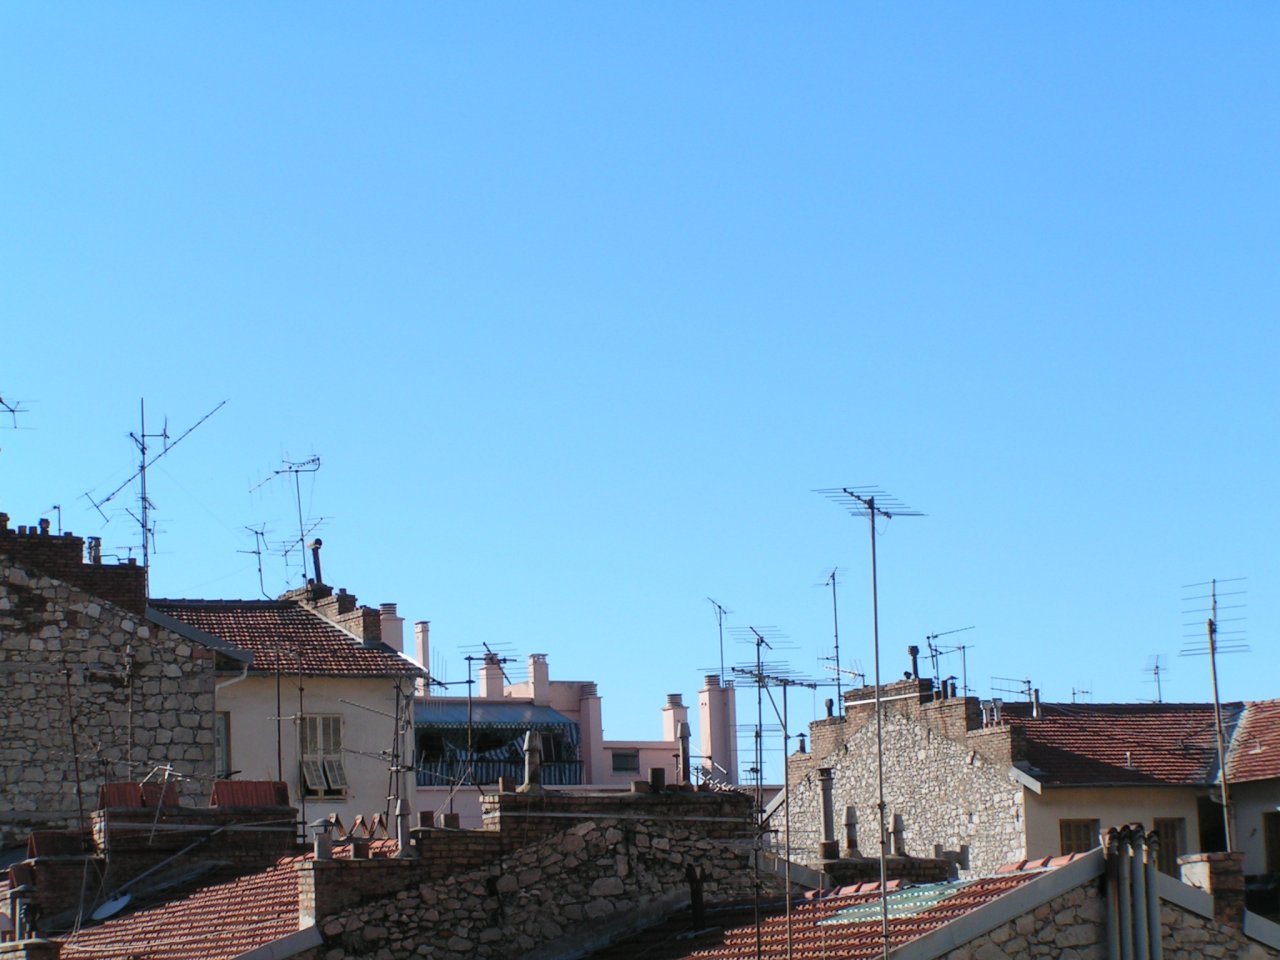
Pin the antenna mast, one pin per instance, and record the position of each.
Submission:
(864, 505)
(720, 615)
(835, 630)
(140, 438)
(296, 468)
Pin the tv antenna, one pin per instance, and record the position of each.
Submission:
(1155, 667)
(862, 502)
(1019, 687)
(145, 505)
(12, 409)
(835, 631)
(721, 613)
(936, 651)
(1080, 692)
(1212, 647)
(259, 541)
(296, 468)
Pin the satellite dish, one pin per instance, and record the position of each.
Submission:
(109, 908)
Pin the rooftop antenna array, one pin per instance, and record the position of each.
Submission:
(1020, 687)
(1155, 667)
(763, 681)
(835, 631)
(11, 409)
(144, 462)
(721, 613)
(1080, 692)
(872, 503)
(296, 468)
(1211, 647)
(259, 541)
(935, 652)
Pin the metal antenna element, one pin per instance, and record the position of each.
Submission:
(1212, 648)
(936, 651)
(872, 502)
(12, 408)
(144, 503)
(1020, 687)
(297, 468)
(835, 631)
(1155, 666)
(721, 613)
(259, 541)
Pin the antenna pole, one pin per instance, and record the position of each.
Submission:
(142, 471)
(1217, 711)
(835, 628)
(720, 612)
(888, 508)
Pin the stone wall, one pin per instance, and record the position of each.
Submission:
(947, 789)
(1073, 926)
(547, 899)
(86, 679)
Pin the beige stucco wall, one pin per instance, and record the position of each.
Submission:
(252, 705)
(1251, 801)
(1110, 806)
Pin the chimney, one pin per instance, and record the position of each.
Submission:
(683, 733)
(718, 728)
(392, 627)
(1035, 704)
(422, 639)
(914, 653)
(1221, 875)
(673, 714)
(827, 782)
(539, 679)
(491, 679)
(315, 546)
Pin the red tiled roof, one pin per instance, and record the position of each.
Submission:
(1255, 749)
(215, 923)
(848, 927)
(1121, 743)
(285, 636)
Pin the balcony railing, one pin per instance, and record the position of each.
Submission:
(445, 773)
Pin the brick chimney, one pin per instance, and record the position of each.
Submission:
(1221, 875)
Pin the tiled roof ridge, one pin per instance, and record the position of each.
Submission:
(1083, 709)
(227, 602)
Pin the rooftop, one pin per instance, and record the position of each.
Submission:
(1121, 743)
(1255, 749)
(284, 635)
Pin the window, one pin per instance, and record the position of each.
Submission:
(626, 761)
(222, 744)
(1078, 836)
(323, 774)
(1172, 834)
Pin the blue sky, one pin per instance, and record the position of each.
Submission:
(578, 304)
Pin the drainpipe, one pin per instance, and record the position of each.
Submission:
(244, 672)
(1155, 947)
(1141, 925)
(1125, 886)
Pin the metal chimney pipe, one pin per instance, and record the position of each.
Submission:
(315, 546)
(914, 653)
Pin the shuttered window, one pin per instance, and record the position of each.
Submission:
(323, 773)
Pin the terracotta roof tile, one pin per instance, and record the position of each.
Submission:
(845, 926)
(284, 635)
(217, 922)
(1121, 743)
(1255, 749)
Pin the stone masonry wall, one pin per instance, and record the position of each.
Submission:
(65, 664)
(951, 798)
(1074, 927)
(540, 899)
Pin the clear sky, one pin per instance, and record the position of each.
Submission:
(578, 304)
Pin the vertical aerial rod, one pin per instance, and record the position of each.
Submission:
(880, 805)
(888, 508)
(720, 614)
(1217, 711)
(835, 627)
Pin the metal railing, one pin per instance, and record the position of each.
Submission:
(445, 773)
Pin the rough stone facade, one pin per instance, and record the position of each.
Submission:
(92, 692)
(550, 898)
(948, 792)
(1074, 927)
